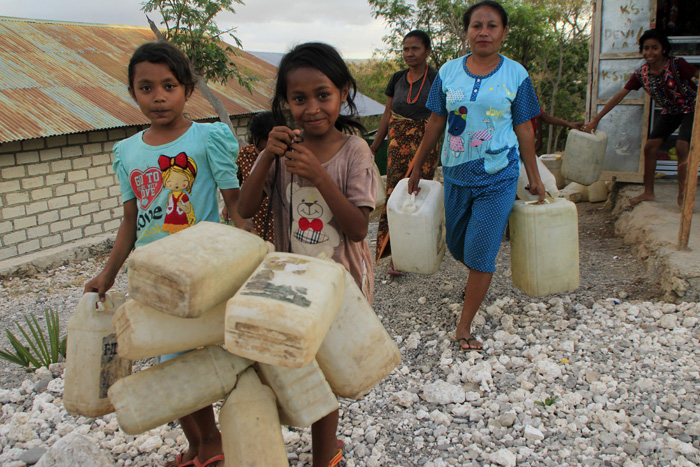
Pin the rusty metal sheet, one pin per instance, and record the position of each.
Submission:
(61, 78)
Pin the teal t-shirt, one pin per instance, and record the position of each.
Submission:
(175, 184)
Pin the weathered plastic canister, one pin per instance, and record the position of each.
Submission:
(175, 388)
(548, 179)
(282, 313)
(357, 351)
(92, 363)
(598, 191)
(250, 426)
(553, 163)
(303, 394)
(381, 196)
(544, 247)
(192, 271)
(574, 192)
(583, 157)
(144, 332)
(417, 227)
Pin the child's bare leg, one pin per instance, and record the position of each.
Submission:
(474, 292)
(209, 435)
(324, 444)
(682, 149)
(650, 150)
(189, 427)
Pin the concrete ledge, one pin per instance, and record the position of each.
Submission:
(49, 258)
(652, 228)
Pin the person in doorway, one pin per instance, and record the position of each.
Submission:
(404, 120)
(669, 81)
(484, 102)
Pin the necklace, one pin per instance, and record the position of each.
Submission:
(410, 88)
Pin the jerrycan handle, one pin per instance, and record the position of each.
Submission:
(91, 301)
(546, 199)
(409, 206)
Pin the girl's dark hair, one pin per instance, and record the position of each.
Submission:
(659, 36)
(490, 3)
(164, 52)
(425, 38)
(261, 125)
(328, 61)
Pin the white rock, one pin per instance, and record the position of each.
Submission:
(548, 369)
(690, 321)
(404, 398)
(533, 433)
(471, 396)
(412, 341)
(442, 392)
(74, 450)
(153, 443)
(598, 387)
(502, 457)
(669, 321)
(55, 385)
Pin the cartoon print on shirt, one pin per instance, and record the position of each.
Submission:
(478, 138)
(456, 124)
(311, 232)
(179, 174)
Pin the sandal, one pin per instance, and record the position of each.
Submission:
(180, 463)
(209, 461)
(470, 346)
(335, 461)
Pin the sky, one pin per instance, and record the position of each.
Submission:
(262, 25)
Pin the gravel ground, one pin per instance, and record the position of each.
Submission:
(606, 375)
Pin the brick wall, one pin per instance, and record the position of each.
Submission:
(60, 189)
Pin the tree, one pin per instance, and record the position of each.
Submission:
(189, 24)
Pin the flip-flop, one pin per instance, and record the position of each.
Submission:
(180, 463)
(394, 272)
(335, 461)
(209, 461)
(469, 347)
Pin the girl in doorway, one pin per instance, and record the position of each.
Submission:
(161, 81)
(669, 81)
(320, 181)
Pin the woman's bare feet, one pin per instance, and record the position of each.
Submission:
(643, 197)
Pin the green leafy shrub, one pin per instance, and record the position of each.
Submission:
(44, 348)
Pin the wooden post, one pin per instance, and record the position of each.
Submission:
(691, 182)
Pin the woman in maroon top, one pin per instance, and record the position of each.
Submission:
(669, 81)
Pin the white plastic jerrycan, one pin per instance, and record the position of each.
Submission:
(583, 157)
(144, 332)
(357, 352)
(250, 425)
(544, 246)
(303, 394)
(417, 227)
(381, 196)
(190, 272)
(175, 388)
(548, 179)
(281, 314)
(92, 363)
(553, 163)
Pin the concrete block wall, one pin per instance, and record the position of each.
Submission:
(61, 189)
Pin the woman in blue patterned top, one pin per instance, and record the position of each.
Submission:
(485, 102)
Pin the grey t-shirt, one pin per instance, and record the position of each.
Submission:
(398, 88)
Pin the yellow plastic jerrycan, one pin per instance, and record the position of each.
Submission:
(544, 246)
(192, 271)
(303, 394)
(417, 227)
(583, 157)
(144, 332)
(281, 314)
(92, 363)
(250, 425)
(357, 351)
(175, 388)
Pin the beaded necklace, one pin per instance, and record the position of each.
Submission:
(410, 88)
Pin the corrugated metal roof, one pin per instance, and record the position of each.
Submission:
(60, 78)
